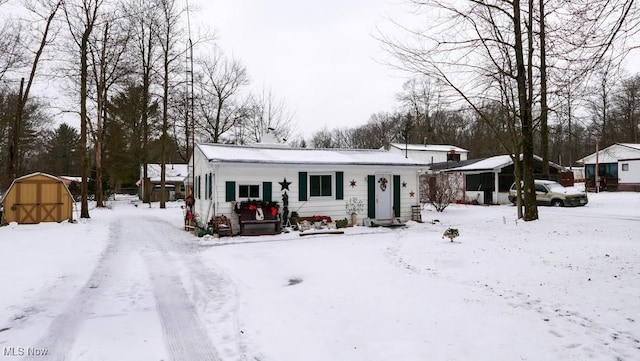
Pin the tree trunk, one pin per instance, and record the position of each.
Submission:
(165, 125)
(15, 136)
(530, 208)
(84, 163)
(101, 94)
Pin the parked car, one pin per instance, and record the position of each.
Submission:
(551, 193)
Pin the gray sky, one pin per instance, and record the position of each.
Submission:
(320, 56)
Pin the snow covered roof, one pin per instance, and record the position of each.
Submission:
(630, 145)
(493, 164)
(612, 153)
(223, 153)
(488, 164)
(173, 172)
(429, 147)
(69, 178)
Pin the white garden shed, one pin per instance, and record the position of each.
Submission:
(316, 181)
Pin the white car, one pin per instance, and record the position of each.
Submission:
(550, 193)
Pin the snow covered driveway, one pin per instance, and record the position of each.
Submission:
(130, 284)
(136, 304)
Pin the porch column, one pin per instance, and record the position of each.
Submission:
(496, 191)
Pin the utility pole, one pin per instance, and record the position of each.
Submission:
(190, 116)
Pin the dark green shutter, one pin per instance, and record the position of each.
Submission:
(210, 185)
(206, 186)
(230, 191)
(371, 196)
(302, 186)
(266, 191)
(339, 185)
(396, 196)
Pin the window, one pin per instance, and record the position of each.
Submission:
(248, 191)
(625, 167)
(541, 188)
(453, 157)
(320, 186)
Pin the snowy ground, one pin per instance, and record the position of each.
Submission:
(130, 284)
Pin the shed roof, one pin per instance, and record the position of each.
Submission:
(223, 153)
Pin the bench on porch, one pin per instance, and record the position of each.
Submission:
(251, 225)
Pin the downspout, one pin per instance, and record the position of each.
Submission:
(418, 195)
(215, 201)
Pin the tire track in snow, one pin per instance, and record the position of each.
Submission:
(59, 337)
(185, 336)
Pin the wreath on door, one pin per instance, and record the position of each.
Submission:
(383, 183)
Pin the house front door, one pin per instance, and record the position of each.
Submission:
(384, 192)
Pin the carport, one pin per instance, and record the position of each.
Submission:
(36, 198)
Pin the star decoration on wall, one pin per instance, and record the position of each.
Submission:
(284, 184)
(404, 184)
(412, 194)
(352, 183)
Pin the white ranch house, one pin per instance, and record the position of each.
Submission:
(317, 181)
(430, 153)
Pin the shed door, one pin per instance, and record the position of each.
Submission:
(38, 202)
(384, 191)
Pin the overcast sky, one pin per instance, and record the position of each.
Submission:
(320, 56)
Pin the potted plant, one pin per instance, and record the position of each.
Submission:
(353, 207)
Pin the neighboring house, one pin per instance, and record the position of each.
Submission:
(488, 180)
(316, 181)
(455, 178)
(73, 183)
(617, 167)
(430, 153)
(175, 177)
(629, 175)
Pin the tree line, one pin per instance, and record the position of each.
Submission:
(422, 116)
(142, 89)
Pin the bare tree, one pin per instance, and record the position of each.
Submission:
(421, 98)
(626, 102)
(45, 12)
(11, 54)
(108, 67)
(322, 139)
(483, 51)
(221, 102)
(170, 34)
(82, 18)
(268, 114)
(144, 17)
